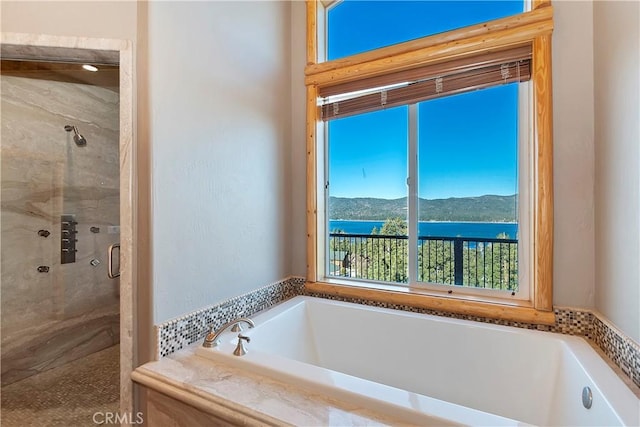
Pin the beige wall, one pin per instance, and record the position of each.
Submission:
(573, 167)
(617, 159)
(220, 112)
(109, 19)
(298, 138)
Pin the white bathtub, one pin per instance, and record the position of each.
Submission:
(430, 370)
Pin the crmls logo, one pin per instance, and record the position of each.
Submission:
(116, 418)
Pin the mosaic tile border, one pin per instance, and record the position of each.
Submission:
(568, 321)
(178, 333)
(622, 351)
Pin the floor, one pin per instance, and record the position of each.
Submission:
(66, 396)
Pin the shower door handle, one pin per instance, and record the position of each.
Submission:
(110, 272)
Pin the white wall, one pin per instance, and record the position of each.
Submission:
(220, 111)
(617, 149)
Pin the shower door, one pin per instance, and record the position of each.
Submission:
(60, 213)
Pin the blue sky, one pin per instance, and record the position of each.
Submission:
(464, 150)
(358, 26)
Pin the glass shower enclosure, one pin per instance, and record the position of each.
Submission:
(60, 213)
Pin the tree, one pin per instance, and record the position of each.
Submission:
(394, 227)
(435, 261)
(386, 257)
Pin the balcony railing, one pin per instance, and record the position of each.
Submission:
(461, 261)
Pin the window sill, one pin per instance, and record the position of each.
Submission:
(514, 311)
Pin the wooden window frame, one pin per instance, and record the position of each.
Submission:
(533, 27)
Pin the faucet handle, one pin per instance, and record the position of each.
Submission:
(210, 340)
(241, 350)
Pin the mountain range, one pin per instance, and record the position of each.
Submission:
(487, 208)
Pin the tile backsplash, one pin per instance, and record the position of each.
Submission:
(623, 351)
(178, 333)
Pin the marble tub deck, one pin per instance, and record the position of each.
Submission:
(245, 398)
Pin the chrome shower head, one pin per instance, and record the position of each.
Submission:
(77, 138)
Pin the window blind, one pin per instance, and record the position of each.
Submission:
(426, 82)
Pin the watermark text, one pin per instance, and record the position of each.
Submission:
(116, 418)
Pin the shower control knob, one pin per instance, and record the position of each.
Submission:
(43, 233)
(68, 238)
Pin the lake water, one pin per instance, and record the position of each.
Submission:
(441, 229)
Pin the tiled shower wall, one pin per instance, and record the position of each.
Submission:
(50, 318)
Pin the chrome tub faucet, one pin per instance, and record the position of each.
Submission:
(211, 340)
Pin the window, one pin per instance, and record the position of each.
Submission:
(371, 25)
(471, 230)
(435, 129)
(451, 217)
